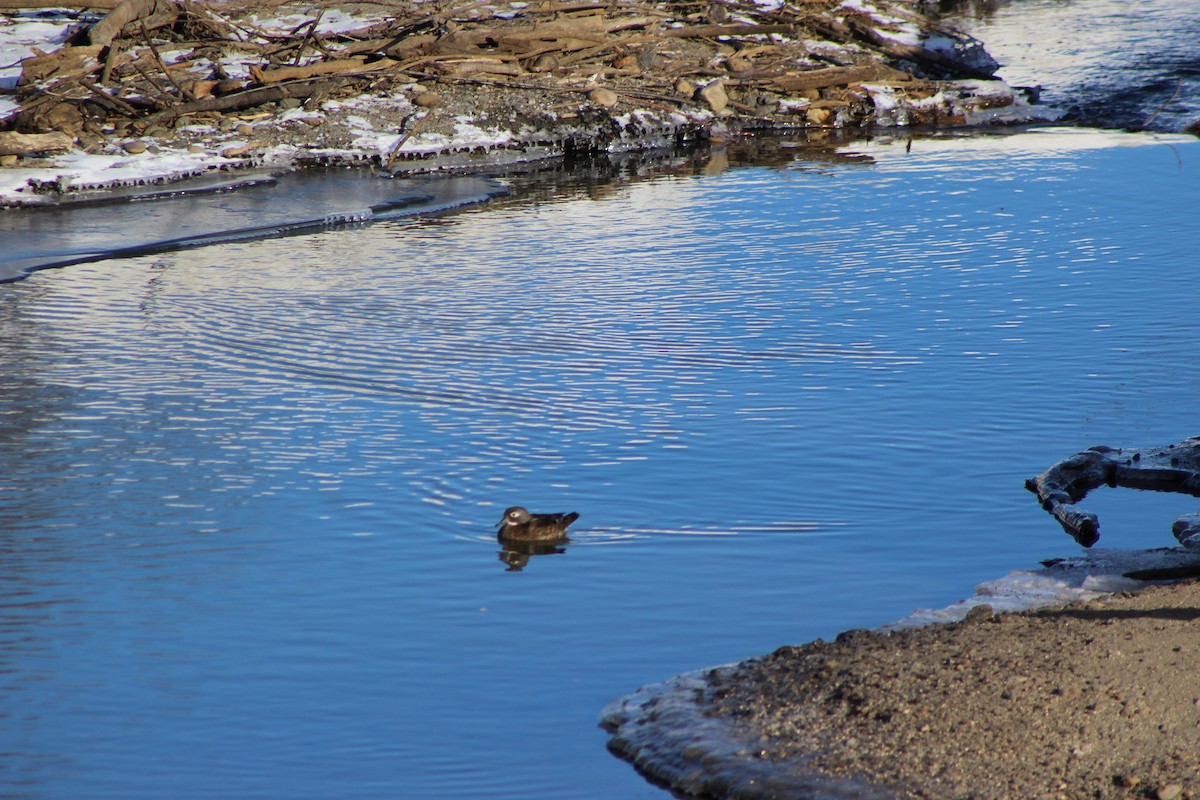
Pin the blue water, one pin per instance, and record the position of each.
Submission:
(250, 489)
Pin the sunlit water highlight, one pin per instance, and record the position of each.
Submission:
(250, 489)
(1108, 63)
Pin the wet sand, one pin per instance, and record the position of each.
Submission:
(1091, 700)
(1098, 699)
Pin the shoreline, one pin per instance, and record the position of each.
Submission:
(466, 89)
(1093, 698)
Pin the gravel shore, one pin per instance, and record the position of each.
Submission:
(1092, 700)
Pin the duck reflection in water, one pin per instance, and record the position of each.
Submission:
(522, 535)
(516, 554)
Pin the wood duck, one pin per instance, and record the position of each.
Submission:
(519, 525)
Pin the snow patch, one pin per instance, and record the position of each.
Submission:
(1092, 575)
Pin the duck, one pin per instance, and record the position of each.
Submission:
(518, 524)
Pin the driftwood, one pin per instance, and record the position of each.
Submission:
(247, 99)
(13, 5)
(60, 65)
(114, 75)
(1173, 468)
(319, 68)
(838, 76)
(109, 28)
(20, 144)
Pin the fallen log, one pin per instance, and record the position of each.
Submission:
(66, 62)
(319, 68)
(837, 76)
(109, 28)
(23, 144)
(246, 99)
(712, 31)
(1173, 468)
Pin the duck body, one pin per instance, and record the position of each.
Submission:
(517, 524)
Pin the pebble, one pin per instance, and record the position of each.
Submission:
(244, 128)
(738, 64)
(817, 116)
(1171, 791)
(134, 147)
(605, 98)
(428, 100)
(629, 61)
(648, 60)
(980, 613)
(195, 148)
(685, 87)
(714, 95)
(546, 62)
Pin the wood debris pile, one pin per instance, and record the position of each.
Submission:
(150, 66)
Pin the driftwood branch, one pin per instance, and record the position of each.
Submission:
(246, 99)
(838, 76)
(709, 31)
(109, 28)
(19, 144)
(266, 76)
(1173, 468)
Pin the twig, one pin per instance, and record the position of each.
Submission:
(112, 103)
(183, 93)
(153, 85)
(312, 28)
(411, 132)
(1170, 100)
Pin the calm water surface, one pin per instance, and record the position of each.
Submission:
(250, 489)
